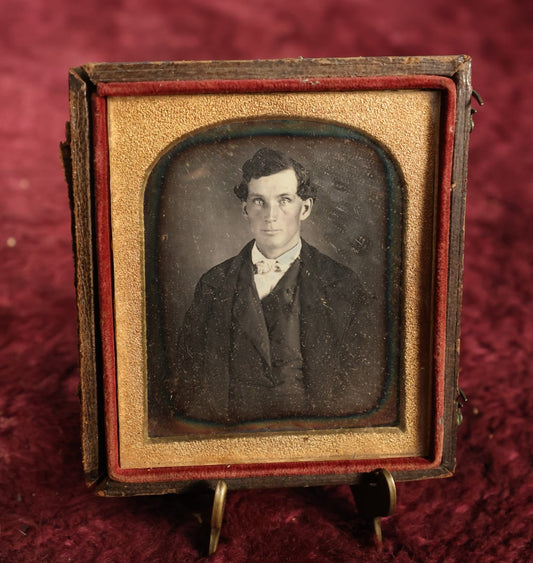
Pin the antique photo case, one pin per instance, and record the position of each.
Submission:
(268, 266)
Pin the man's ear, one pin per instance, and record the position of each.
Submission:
(306, 209)
(244, 210)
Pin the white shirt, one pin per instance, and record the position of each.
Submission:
(274, 268)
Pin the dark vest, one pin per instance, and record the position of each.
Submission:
(266, 363)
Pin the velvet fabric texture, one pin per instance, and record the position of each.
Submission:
(484, 513)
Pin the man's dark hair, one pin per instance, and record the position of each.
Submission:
(266, 162)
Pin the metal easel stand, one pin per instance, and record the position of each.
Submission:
(217, 515)
(375, 497)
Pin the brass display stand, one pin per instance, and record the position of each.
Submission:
(217, 515)
(374, 495)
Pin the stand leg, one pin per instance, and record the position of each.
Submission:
(217, 515)
(375, 497)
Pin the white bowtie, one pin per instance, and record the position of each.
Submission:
(266, 266)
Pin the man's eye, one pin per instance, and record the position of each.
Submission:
(258, 202)
(285, 200)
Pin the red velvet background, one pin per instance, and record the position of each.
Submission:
(485, 512)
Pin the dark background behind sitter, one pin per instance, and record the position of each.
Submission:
(46, 513)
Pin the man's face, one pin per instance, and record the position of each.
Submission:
(275, 211)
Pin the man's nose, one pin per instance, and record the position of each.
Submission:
(271, 212)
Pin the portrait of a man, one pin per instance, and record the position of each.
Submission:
(279, 330)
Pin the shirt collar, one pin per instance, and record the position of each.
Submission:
(285, 259)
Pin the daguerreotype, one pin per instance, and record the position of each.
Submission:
(268, 260)
(284, 325)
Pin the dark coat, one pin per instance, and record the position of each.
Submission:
(334, 346)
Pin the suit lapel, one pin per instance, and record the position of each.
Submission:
(248, 313)
(325, 312)
(237, 302)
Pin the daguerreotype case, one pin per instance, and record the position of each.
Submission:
(268, 269)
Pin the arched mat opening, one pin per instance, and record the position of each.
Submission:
(193, 221)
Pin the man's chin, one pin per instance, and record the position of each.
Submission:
(271, 250)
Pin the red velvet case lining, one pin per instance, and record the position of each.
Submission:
(105, 271)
